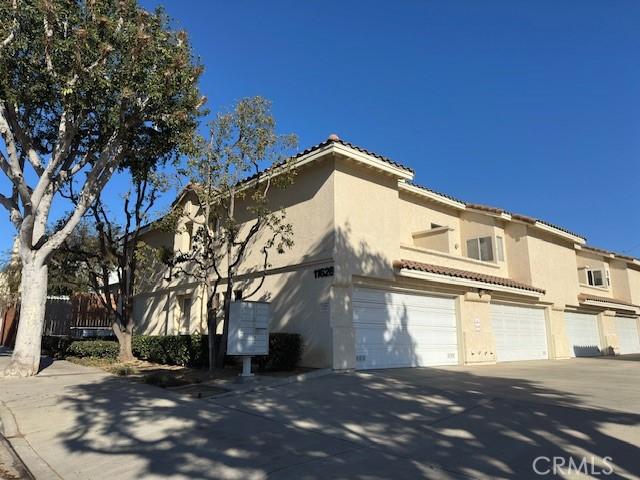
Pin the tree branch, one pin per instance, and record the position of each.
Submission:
(12, 33)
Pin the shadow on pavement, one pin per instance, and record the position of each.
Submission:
(382, 425)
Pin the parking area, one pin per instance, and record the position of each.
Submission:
(497, 421)
(479, 422)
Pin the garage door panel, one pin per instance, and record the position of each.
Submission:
(583, 334)
(519, 332)
(628, 335)
(403, 330)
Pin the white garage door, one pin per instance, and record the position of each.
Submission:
(583, 334)
(403, 330)
(627, 329)
(520, 333)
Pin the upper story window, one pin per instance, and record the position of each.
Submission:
(500, 248)
(596, 278)
(480, 249)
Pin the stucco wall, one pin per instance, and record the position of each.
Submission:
(634, 285)
(417, 214)
(367, 222)
(553, 268)
(620, 281)
(517, 246)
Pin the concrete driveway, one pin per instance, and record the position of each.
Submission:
(480, 422)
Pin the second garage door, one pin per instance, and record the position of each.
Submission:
(583, 334)
(520, 333)
(403, 330)
(627, 330)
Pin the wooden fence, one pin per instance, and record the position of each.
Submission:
(63, 316)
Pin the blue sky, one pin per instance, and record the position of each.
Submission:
(529, 106)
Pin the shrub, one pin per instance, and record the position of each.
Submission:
(56, 347)
(285, 351)
(94, 348)
(184, 350)
(123, 370)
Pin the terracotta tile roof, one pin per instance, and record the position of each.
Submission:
(594, 298)
(454, 272)
(335, 139)
(329, 141)
(498, 210)
(523, 218)
(486, 208)
(562, 229)
(422, 187)
(607, 252)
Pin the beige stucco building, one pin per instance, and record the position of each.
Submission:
(385, 273)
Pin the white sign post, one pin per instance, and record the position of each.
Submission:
(248, 332)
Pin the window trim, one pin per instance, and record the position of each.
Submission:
(479, 248)
(499, 248)
(591, 278)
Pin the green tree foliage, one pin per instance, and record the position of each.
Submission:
(230, 183)
(86, 88)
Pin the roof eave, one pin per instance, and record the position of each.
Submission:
(430, 195)
(464, 282)
(368, 160)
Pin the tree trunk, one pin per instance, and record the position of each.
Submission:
(126, 352)
(213, 304)
(25, 360)
(124, 336)
(222, 349)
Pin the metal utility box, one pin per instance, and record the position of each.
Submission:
(249, 328)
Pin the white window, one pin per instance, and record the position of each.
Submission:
(608, 278)
(480, 249)
(500, 249)
(595, 278)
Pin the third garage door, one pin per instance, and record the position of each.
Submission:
(583, 334)
(628, 336)
(403, 330)
(520, 332)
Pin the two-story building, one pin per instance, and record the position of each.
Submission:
(385, 273)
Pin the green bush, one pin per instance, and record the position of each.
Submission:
(285, 351)
(56, 347)
(94, 348)
(184, 350)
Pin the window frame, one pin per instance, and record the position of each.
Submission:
(478, 247)
(499, 248)
(591, 277)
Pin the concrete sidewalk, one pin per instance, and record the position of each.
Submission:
(73, 422)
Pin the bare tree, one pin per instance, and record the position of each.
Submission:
(231, 182)
(85, 88)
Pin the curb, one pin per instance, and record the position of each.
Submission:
(302, 377)
(34, 465)
(17, 464)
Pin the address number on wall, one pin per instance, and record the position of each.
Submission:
(323, 272)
